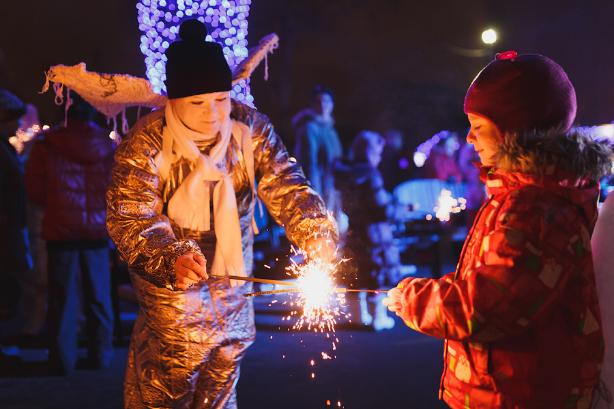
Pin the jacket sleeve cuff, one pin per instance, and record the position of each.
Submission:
(319, 227)
(162, 274)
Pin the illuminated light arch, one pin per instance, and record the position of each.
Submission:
(226, 23)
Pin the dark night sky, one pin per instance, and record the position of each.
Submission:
(391, 63)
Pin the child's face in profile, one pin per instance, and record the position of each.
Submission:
(485, 138)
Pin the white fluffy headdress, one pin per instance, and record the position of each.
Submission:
(111, 94)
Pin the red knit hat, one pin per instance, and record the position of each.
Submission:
(523, 92)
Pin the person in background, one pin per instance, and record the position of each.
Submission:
(26, 327)
(317, 146)
(373, 257)
(15, 258)
(520, 316)
(442, 162)
(396, 166)
(603, 259)
(34, 285)
(67, 175)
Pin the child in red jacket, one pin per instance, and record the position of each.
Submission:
(520, 316)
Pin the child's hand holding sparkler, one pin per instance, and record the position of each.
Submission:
(394, 300)
(321, 248)
(190, 268)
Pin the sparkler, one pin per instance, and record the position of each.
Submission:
(254, 280)
(23, 136)
(314, 298)
(320, 302)
(273, 292)
(296, 290)
(446, 205)
(310, 283)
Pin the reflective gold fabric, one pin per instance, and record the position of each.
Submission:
(187, 345)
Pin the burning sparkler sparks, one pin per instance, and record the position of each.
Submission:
(446, 205)
(319, 301)
(23, 136)
(316, 301)
(318, 297)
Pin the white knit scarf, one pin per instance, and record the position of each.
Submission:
(189, 206)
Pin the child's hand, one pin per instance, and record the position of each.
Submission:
(394, 300)
(321, 248)
(190, 268)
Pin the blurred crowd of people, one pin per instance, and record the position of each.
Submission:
(55, 246)
(54, 241)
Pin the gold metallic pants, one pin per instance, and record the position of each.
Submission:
(187, 346)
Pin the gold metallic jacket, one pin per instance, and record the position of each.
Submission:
(187, 345)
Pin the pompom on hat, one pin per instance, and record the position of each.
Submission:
(523, 92)
(195, 66)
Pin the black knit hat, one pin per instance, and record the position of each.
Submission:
(195, 66)
(11, 107)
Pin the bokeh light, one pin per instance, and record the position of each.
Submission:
(489, 36)
(226, 23)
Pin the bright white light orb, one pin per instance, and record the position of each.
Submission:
(419, 159)
(605, 131)
(489, 36)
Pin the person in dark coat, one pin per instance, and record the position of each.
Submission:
(373, 256)
(68, 173)
(14, 254)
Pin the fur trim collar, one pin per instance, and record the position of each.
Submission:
(574, 153)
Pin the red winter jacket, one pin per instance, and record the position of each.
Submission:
(520, 315)
(68, 172)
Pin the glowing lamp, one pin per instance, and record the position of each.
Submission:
(489, 36)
